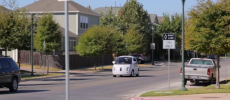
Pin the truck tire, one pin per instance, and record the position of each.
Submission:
(185, 82)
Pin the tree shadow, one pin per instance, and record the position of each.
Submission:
(22, 91)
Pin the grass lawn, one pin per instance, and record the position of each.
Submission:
(41, 76)
(38, 67)
(224, 88)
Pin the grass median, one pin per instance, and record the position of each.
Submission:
(224, 88)
(36, 76)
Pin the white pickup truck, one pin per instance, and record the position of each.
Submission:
(200, 69)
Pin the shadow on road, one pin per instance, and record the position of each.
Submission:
(34, 84)
(22, 91)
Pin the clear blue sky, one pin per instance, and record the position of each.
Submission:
(152, 6)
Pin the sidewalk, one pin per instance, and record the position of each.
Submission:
(214, 96)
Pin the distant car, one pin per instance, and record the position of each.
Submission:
(140, 58)
(125, 66)
(211, 56)
(9, 74)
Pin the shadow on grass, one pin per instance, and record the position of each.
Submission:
(25, 72)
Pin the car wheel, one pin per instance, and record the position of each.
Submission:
(14, 85)
(131, 74)
(139, 62)
(137, 73)
(114, 75)
(185, 82)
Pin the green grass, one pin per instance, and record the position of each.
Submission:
(25, 72)
(42, 76)
(224, 88)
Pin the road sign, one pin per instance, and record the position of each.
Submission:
(169, 41)
(152, 45)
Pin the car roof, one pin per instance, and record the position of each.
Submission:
(125, 56)
(201, 58)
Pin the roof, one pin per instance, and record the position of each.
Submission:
(105, 9)
(55, 6)
(4, 8)
(160, 19)
(153, 18)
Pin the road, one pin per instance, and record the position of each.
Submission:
(102, 86)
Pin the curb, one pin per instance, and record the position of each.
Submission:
(148, 98)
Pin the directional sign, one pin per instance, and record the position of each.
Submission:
(169, 41)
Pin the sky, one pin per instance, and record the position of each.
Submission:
(152, 6)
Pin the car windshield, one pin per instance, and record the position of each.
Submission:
(123, 60)
(201, 62)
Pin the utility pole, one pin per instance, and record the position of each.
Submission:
(31, 54)
(183, 80)
(152, 48)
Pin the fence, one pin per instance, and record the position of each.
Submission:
(58, 61)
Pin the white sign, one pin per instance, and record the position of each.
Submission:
(169, 41)
(152, 46)
(169, 44)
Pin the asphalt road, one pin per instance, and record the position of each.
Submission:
(102, 86)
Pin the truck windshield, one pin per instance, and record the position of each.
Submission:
(201, 62)
(124, 60)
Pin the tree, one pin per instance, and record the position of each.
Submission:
(89, 7)
(172, 24)
(48, 32)
(97, 41)
(208, 29)
(133, 13)
(109, 18)
(134, 40)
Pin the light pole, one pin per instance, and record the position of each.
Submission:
(31, 54)
(152, 48)
(182, 58)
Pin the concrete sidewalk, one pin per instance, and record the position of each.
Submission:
(213, 96)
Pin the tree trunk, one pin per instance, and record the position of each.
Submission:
(94, 63)
(47, 64)
(102, 62)
(6, 52)
(19, 59)
(218, 72)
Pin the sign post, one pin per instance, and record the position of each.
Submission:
(66, 48)
(169, 43)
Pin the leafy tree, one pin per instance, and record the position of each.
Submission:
(172, 24)
(134, 40)
(207, 29)
(133, 13)
(109, 18)
(48, 32)
(97, 41)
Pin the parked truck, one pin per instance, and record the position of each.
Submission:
(200, 69)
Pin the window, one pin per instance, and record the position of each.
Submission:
(72, 45)
(201, 62)
(84, 22)
(124, 60)
(5, 64)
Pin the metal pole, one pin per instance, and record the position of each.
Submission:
(67, 49)
(152, 48)
(182, 58)
(168, 67)
(31, 54)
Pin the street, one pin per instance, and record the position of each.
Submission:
(102, 86)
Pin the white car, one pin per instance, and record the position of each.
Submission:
(125, 66)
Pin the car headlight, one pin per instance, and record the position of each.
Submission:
(127, 68)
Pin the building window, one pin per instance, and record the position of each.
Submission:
(72, 45)
(84, 22)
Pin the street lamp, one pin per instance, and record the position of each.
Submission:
(182, 58)
(153, 48)
(31, 54)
